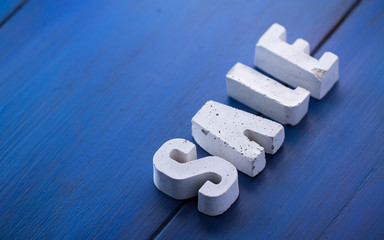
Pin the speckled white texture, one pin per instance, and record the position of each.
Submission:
(293, 65)
(266, 95)
(177, 173)
(227, 132)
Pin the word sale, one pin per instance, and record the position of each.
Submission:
(238, 140)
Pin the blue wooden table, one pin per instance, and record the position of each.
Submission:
(89, 90)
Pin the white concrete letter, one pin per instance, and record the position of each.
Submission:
(237, 136)
(293, 65)
(266, 95)
(177, 173)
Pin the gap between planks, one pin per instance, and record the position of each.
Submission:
(167, 221)
(335, 27)
(13, 13)
(323, 234)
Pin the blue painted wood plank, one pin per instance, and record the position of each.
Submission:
(90, 89)
(7, 7)
(362, 217)
(327, 180)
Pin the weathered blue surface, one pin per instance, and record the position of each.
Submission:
(90, 89)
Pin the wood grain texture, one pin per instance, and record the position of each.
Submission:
(89, 90)
(327, 180)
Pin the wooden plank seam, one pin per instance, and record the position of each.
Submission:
(355, 193)
(13, 13)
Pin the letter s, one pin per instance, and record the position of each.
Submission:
(177, 173)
